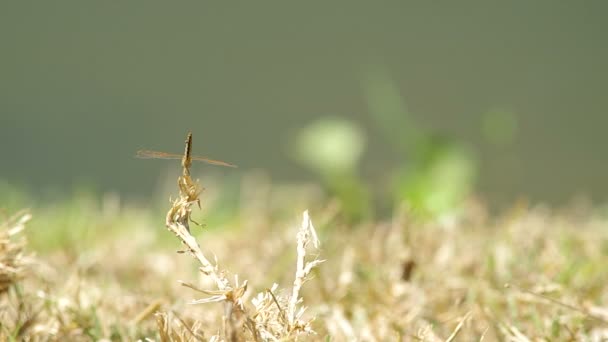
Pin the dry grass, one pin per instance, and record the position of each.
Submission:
(13, 262)
(531, 274)
(272, 317)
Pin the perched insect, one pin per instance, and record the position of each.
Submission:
(186, 158)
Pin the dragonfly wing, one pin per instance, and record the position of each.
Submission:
(147, 154)
(212, 162)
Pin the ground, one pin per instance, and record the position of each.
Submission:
(96, 269)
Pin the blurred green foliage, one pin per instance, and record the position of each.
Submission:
(435, 173)
(332, 147)
(72, 223)
(438, 180)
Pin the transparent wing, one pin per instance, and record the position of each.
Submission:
(211, 161)
(147, 154)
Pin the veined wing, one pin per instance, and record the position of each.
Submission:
(212, 161)
(147, 154)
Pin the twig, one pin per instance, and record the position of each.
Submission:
(306, 234)
(458, 327)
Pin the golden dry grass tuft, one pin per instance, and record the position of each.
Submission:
(272, 316)
(13, 261)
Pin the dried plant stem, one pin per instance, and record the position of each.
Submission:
(458, 327)
(13, 262)
(274, 317)
(177, 221)
(305, 235)
(179, 217)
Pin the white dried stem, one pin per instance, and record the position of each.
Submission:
(305, 235)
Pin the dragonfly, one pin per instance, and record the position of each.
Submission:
(186, 158)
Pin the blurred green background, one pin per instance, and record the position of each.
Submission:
(509, 97)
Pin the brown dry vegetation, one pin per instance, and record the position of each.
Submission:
(529, 275)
